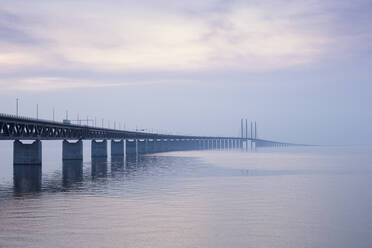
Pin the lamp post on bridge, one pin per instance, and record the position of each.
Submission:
(17, 100)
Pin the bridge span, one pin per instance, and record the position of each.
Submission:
(122, 142)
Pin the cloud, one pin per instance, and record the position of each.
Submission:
(137, 38)
(40, 84)
(122, 36)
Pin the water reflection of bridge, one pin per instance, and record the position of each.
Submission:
(28, 178)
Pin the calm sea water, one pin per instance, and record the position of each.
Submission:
(285, 197)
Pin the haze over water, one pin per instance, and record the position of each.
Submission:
(284, 197)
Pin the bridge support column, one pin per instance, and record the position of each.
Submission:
(141, 146)
(196, 144)
(188, 145)
(99, 149)
(72, 150)
(29, 154)
(117, 148)
(171, 145)
(150, 146)
(156, 146)
(165, 145)
(178, 145)
(131, 147)
(183, 145)
(210, 144)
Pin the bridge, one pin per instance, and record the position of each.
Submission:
(122, 142)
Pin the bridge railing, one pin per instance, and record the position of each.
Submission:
(27, 118)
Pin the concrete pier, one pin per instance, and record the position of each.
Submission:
(155, 146)
(219, 144)
(210, 144)
(240, 142)
(214, 144)
(177, 145)
(141, 145)
(72, 150)
(27, 154)
(167, 145)
(171, 145)
(117, 148)
(186, 144)
(195, 145)
(99, 149)
(131, 147)
(150, 148)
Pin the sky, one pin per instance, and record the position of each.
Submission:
(300, 69)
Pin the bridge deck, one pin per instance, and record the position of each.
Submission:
(15, 127)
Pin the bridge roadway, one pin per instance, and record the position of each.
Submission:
(122, 142)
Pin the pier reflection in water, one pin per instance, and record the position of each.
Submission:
(72, 172)
(99, 167)
(117, 164)
(27, 178)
